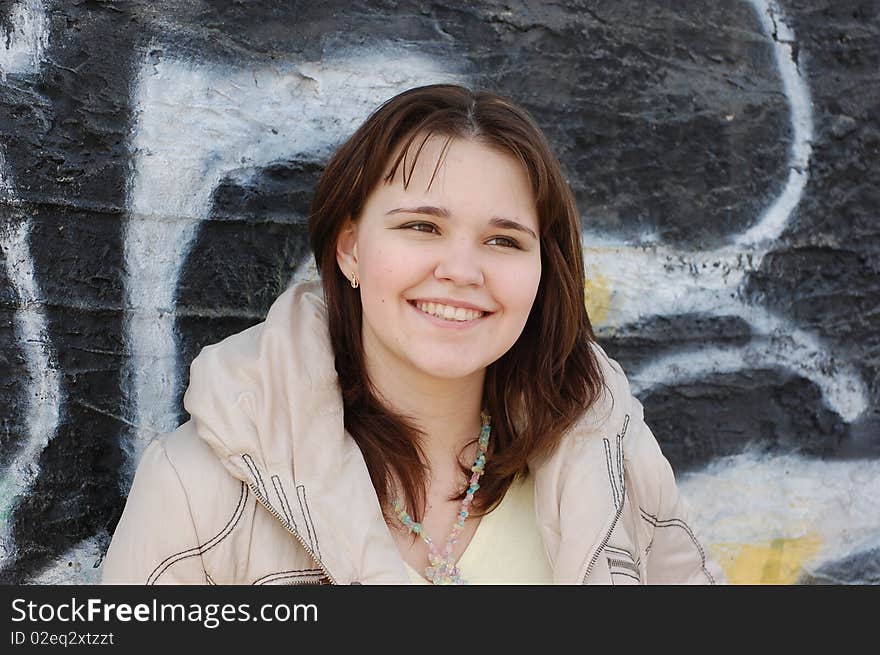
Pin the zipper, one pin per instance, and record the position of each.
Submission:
(613, 522)
(620, 437)
(622, 563)
(605, 540)
(283, 522)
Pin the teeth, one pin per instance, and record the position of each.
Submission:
(449, 313)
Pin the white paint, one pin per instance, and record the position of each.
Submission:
(21, 52)
(658, 280)
(769, 227)
(771, 224)
(5, 185)
(43, 400)
(798, 352)
(22, 47)
(195, 124)
(79, 565)
(753, 499)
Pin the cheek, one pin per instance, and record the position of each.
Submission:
(377, 268)
(517, 287)
(385, 277)
(391, 270)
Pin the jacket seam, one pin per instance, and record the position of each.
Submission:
(289, 510)
(307, 515)
(629, 575)
(256, 473)
(619, 453)
(614, 492)
(625, 426)
(169, 561)
(679, 523)
(284, 511)
(282, 499)
(619, 551)
(620, 472)
(199, 550)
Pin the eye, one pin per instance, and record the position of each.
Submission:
(507, 242)
(420, 227)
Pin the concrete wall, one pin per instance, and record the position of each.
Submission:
(157, 160)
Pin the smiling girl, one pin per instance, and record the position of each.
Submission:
(436, 409)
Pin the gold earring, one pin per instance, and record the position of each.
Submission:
(354, 281)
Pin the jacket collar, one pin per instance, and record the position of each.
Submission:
(267, 401)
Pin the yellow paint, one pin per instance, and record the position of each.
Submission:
(779, 561)
(597, 297)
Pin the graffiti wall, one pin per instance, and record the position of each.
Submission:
(157, 160)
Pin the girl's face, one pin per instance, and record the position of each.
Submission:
(448, 274)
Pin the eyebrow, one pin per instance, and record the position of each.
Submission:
(497, 221)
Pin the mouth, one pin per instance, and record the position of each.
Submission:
(447, 313)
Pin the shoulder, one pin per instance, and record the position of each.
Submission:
(617, 412)
(200, 472)
(650, 476)
(661, 512)
(182, 484)
(175, 499)
(616, 395)
(613, 423)
(615, 407)
(185, 448)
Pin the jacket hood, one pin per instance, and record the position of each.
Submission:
(267, 401)
(270, 387)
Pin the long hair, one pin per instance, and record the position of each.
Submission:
(546, 380)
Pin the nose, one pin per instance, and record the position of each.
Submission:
(459, 264)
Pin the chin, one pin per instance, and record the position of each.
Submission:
(450, 370)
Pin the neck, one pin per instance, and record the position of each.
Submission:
(446, 411)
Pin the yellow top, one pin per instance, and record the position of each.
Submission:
(506, 547)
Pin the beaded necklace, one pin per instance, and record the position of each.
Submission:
(441, 568)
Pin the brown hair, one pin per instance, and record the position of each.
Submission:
(548, 378)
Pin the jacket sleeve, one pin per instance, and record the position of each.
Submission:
(155, 541)
(675, 554)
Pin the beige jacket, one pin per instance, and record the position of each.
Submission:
(264, 486)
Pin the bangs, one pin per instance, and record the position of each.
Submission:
(405, 155)
(406, 160)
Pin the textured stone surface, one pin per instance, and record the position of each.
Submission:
(132, 129)
(861, 568)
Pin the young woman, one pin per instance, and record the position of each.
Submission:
(436, 409)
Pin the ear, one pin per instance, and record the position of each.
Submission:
(346, 248)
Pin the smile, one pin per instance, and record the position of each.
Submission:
(447, 312)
